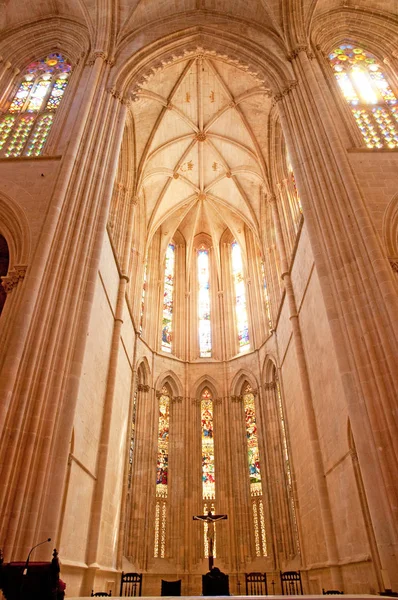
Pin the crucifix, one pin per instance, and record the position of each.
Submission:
(210, 520)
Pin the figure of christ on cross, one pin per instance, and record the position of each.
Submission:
(210, 519)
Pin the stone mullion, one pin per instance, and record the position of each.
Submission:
(194, 538)
(240, 484)
(279, 476)
(327, 226)
(215, 316)
(82, 201)
(177, 453)
(179, 302)
(319, 471)
(193, 307)
(231, 335)
(226, 550)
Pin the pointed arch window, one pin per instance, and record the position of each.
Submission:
(240, 297)
(208, 470)
(162, 473)
(167, 322)
(204, 302)
(143, 293)
(25, 126)
(256, 487)
(364, 85)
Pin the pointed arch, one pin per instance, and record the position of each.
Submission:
(205, 382)
(170, 379)
(242, 376)
(143, 370)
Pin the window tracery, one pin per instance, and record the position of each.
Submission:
(256, 488)
(25, 126)
(364, 85)
(240, 296)
(162, 471)
(204, 302)
(208, 471)
(167, 322)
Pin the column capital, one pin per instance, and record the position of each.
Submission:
(94, 55)
(296, 51)
(285, 91)
(141, 387)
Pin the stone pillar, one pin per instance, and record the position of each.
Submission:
(44, 357)
(319, 471)
(359, 292)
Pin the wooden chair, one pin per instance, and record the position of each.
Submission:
(291, 583)
(331, 592)
(256, 584)
(131, 584)
(170, 588)
(101, 593)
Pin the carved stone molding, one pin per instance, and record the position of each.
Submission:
(142, 387)
(176, 399)
(237, 398)
(271, 385)
(286, 90)
(93, 57)
(201, 136)
(300, 48)
(394, 264)
(117, 94)
(11, 280)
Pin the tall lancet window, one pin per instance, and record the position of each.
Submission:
(143, 293)
(364, 85)
(26, 124)
(208, 476)
(162, 472)
(266, 295)
(240, 295)
(167, 323)
(256, 487)
(204, 303)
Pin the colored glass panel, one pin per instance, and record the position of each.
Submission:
(20, 97)
(208, 476)
(168, 299)
(39, 91)
(37, 97)
(144, 288)
(266, 296)
(6, 124)
(39, 135)
(204, 303)
(240, 295)
(19, 135)
(365, 88)
(56, 94)
(163, 445)
(253, 453)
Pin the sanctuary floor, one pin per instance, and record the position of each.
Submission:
(304, 597)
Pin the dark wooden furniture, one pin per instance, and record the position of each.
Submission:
(215, 583)
(331, 592)
(291, 583)
(131, 584)
(256, 584)
(170, 588)
(33, 581)
(97, 594)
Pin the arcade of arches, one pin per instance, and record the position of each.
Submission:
(198, 253)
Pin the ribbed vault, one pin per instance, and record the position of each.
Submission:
(201, 150)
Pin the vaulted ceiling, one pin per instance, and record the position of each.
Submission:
(201, 128)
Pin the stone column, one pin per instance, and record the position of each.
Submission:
(42, 376)
(359, 292)
(7, 80)
(319, 471)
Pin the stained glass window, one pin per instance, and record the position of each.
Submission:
(163, 445)
(204, 303)
(168, 299)
(266, 296)
(25, 126)
(206, 415)
(240, 294)
(144, 288)
(162, 471)
(252, 443)
(132, 438)
(366, 89)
